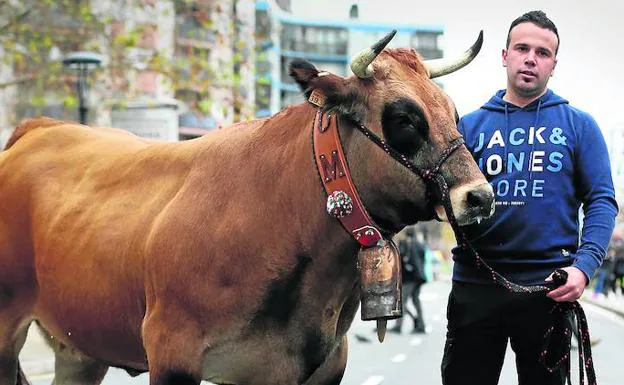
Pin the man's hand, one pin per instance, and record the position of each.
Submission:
(572, 289)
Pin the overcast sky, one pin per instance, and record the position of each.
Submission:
(590, 71)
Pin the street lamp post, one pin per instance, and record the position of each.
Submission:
(82, 63)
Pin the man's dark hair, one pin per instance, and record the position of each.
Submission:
(538, 18)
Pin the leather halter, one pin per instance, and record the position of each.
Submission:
(334, 172)
(336, 178)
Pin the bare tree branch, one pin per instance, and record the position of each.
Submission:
(19, 80)
(14, 50)
(19, 18)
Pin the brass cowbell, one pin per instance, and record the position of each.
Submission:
(380, 284)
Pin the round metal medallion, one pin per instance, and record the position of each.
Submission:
(339, 204)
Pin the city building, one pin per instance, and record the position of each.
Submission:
(328, 44)
(220, 89)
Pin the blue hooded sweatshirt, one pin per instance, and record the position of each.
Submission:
(543, 160)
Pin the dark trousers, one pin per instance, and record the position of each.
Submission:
(411, 290)
(481, 320)
(619, 277)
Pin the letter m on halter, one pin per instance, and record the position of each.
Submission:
(332, 169)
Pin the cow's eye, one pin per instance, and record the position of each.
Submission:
(404, 126)
(407, 121)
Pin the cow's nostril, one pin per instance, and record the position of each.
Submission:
(480, 198)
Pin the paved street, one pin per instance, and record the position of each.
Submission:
(415, 359)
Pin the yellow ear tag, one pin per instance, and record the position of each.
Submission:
(317, 98)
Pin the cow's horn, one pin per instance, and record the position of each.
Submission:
(441, 67)
(361, 63)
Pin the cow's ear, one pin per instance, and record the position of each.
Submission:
(303, 72)
(310, 79)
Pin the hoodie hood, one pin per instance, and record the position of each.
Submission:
(496, 102)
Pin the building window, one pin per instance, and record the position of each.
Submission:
(196, 111)
(193, 21)
(263, 27)
(291, 98)
(426, 43)
(354, 12)
(147, 82)
(328, 41)
(149, 36)
(263, 96)
(284, 71)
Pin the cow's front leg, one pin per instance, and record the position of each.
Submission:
(332, 370)
(174, 349)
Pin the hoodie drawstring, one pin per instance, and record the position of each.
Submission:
(505, 160)
(535, 128)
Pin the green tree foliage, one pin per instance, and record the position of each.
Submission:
(35, 34)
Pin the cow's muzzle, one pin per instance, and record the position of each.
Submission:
(471, 203)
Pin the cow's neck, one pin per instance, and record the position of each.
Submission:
(288, 138)
(319, 250)
(281, 150)
(384, 186)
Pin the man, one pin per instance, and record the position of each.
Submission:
(413, 275)
(618, 263)
(544, 159)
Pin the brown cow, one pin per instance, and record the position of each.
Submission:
(215, 258)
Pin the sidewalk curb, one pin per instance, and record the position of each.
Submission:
(39, 367)
(36, 357)
(604, 306)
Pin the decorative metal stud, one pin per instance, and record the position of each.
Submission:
(339, 204)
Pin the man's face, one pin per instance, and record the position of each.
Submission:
(530, 59)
